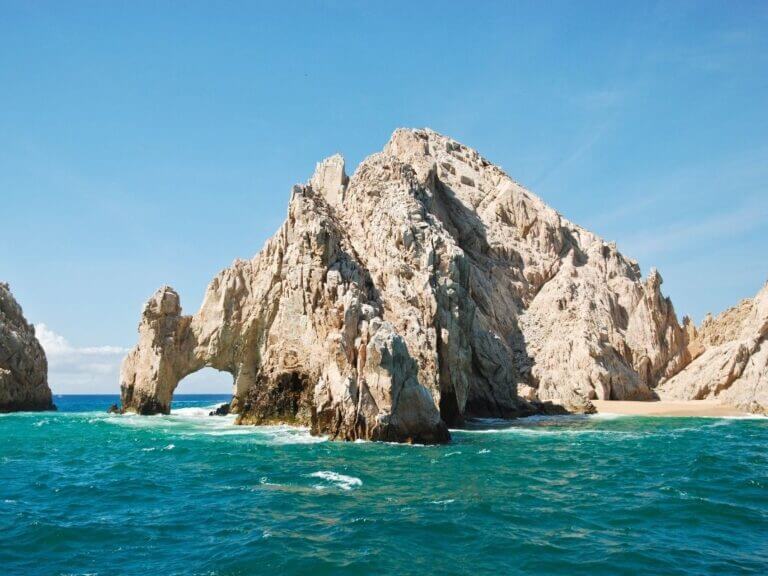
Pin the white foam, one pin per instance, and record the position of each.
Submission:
(264, 481)
(614, 416)
(165, 448)
(544, 431)
(196, 412)
(282, 434)
(190, 422)
(606, 416)
(443, 502)
(340, 480)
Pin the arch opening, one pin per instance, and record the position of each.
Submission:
(205, 387)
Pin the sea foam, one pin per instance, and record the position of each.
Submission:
(340, 480)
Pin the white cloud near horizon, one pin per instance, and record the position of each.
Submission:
(96, 369)
(80, 370)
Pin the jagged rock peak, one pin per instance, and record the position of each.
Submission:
(427, 288)
(23, 366)
(330, 180)
(729, 358)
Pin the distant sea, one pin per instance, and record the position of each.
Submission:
(83, 492)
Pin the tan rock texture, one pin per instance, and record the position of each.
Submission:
(426, 288)
(730, 359)
(23, 366)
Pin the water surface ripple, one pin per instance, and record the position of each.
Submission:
(83, 492)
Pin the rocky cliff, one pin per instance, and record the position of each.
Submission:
(426, 288)
(23, 366)
(729, 358)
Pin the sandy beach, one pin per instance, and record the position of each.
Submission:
(700, 408)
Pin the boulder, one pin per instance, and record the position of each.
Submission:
(222, 410)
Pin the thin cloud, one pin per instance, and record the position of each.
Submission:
(601, 99)
(96, 369)
(583, 149)
(749, 216)
(83, 370)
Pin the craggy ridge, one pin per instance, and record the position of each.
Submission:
(426, 288)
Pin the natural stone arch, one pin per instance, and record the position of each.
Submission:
(167, 353)
(301, 328)
(427, 288)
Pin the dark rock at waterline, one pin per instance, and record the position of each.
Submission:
(222, 410)
(114, 409)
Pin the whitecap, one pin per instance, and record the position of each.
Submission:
(484, 451)
(546, 431)
(195, 412)
(264, 481)
(282, 434)
(340, 480)
(443, 502)
(607, 416)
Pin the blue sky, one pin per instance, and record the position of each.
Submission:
(151, 143)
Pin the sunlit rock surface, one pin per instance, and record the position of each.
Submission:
(23, 366)
(426, 288)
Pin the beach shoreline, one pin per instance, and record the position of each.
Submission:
(677, 408)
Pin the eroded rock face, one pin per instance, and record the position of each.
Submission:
(427, 288)
(23, 366)
(730, 359)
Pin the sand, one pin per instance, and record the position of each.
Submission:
(700, 408)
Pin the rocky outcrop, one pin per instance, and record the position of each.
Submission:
(23, 366)
(426, 288)
(222, 410)
(729, 358)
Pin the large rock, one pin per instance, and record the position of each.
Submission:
(427, 288)
(23, 366)
(730, 359)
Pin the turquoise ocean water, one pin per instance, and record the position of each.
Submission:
(82, 492)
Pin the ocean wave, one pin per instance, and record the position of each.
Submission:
(164, 448)
(544, 431)
(340, 480)
(191, 422)
(281, 434)
(606, 416)
(199, 412)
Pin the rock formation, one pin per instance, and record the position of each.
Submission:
(426, 288)
(730, 358)
(23, 366)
